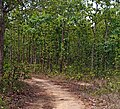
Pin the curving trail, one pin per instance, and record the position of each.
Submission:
(62, 98)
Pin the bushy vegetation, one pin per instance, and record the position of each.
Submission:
(2, 103)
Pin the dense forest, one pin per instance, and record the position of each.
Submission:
(63, 36)
(73, 37)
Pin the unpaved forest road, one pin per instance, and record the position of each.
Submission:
(62, 98)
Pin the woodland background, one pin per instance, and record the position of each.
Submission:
(77, 38)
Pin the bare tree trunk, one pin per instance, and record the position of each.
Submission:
(2, 31)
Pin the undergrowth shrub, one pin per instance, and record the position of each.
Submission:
(12, 75)
(2, 104)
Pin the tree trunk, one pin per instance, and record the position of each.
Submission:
(93, 51)
(2, 31)
(29, 51)
(93, 48)
(18, 54)
(62, 44)
(23, 49)
(105, 40)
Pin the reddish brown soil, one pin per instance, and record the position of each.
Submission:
(32, 94)
(86, 91)
(62, 98)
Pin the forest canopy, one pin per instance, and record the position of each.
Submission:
(70, 36)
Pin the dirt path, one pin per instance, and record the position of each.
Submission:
(62, 98)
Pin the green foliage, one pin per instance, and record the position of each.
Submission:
(114, 84)
(111, 84)
(12, 75)
(70, 37)
(2, 104)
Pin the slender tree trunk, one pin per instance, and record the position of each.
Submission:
(117, 59)
(62, 44)
(57, 50)
(93, 48)
(29, 51)
(94, 29)
(23, 49)
(11, 51)
(105, 40)
(42, 60)
(18, 56)
(2, 31)
(51, 68)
